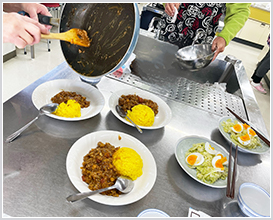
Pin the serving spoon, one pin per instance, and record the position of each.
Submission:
(46, 109)
(123, 114)
(123, 184)
(74, 36)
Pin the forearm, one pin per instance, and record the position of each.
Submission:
(12, 7)
(236, 16)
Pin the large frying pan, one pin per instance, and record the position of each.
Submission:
(113, 29)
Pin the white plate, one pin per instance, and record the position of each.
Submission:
(258, 150)
(142, 185)
(184, 144)
(42, 95)
(152, 213)
(163, 117)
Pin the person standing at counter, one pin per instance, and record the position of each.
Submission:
(22, 30)
(261, 71)
(203, 18)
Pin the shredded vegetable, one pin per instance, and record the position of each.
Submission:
(206, 172)
(254, 140)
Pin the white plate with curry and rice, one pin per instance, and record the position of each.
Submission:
(162, 118)
(142, 185)
(43, 93)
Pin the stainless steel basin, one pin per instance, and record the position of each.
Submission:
(195, 57)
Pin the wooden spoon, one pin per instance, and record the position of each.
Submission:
(74, 36)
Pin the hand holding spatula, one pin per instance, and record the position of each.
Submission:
(73, 36)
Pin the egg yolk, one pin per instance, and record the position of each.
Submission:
(212, 148)
(219, 163)
(192, 159)
(237, 127)
(245, 137)
(246, 126)
(224, 159)
(251, 132)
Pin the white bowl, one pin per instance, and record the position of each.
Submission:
(253, 200)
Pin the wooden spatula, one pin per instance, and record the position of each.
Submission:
(74, 36)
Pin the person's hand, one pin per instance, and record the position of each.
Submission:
(33, 9)
(21, 30)
(169, 8)
(218, 45)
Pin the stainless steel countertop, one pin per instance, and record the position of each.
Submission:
(35, 181)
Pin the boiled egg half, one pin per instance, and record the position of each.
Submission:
(246, 126)
(251, 132)
(210, 149)
(218, 162)
(225, 162)
(244, 140)
(195, 159)
(238, 128)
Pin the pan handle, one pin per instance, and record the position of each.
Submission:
(43, 19)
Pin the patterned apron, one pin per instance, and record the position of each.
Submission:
(192, 18)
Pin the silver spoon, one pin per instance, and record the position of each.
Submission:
(123, 184)
(46, 109)
(196, 38)
(122, 114)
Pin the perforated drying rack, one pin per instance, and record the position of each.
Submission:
(203, 96)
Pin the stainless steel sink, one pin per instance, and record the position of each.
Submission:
(223, 83)
(156, 69)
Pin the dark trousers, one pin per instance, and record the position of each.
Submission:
(262, 68)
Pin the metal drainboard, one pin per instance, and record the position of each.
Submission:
(203, 96)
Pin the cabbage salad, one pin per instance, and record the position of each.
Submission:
(241, 134)
(210, 165)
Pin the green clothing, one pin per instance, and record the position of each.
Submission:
(236, 16)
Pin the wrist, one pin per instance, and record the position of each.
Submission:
(23, 5)
(27, 7)
(12, 7)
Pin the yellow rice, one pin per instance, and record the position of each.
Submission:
(71, 109)
(142, 115)
(128, 162)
